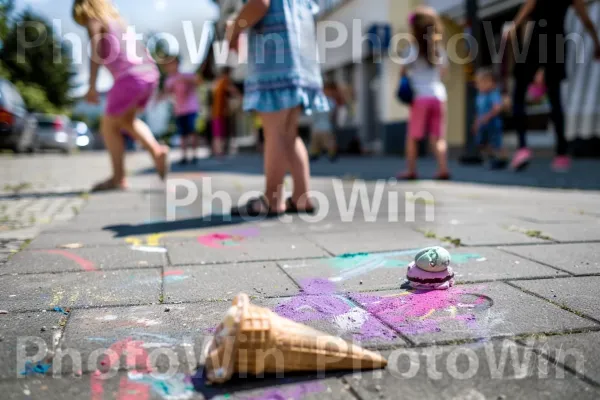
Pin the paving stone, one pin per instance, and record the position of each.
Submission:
(85, 289)
(467, 312)
(468, 372)
(380, 271)
(490, 235)
(574, 351)
(371, 241)
(89, 259)
(53, 240)
(180, 330)
(240, 248)
(14, 329)
(224, 282)
(576, 258)
(577, 294)
(570, 232)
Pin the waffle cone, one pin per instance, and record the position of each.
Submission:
(264, 342)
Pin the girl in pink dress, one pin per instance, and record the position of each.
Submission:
(135, 80)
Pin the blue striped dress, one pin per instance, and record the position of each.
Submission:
(283, 66)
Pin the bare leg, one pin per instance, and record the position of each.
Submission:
(298, 161)
(113, 140)
(141, 132)
(439, 147)
(411, 155)
(277, 147)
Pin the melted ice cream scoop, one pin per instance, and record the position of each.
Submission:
(433, 259)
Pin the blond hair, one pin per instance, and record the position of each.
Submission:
(101, 10)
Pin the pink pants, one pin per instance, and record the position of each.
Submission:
(427, 116)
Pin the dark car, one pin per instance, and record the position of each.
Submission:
(17, 126)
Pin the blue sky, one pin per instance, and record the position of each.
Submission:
(146, 15)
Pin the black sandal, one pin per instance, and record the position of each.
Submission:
(249, 209)
(291, 208)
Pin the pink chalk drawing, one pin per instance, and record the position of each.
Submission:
(318, 302)
(85, 265)
(173, 276)
(296, 392)
(408, 312)
(223, 240)
(420, 312)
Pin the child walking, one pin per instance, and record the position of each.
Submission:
(224, 89)
(488, 127)
(323, 125)
(284, 78)
(135, 81)
(426, 64)
(183, 87)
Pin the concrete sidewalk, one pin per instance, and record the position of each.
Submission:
(522, 322)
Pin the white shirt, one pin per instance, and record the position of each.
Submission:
(426, 79)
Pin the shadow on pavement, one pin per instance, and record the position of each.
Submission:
(269, 382)
(211, 221)
(584, 174)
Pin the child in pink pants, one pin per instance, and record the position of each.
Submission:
(425, 64)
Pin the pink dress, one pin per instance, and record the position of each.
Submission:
(134, 71)
(184, 93)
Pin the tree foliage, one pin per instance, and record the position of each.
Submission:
(42, 72)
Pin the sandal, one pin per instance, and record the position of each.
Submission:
(291, 208)
(162, 163)
(250, 209)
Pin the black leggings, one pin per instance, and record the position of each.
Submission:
(557, 114)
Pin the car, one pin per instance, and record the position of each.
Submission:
(55, 132)
(85, 138)
(17, 126)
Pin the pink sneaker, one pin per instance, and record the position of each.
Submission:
(561, 164)
(521, 159)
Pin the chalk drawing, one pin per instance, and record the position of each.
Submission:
(178, 387)
(174, 276)
(40, 368)
(149, 249)
(221, 240)
(295, 392)
(85, 265)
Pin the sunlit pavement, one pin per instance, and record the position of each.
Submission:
(140, 270)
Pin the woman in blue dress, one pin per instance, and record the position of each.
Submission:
(284, 79)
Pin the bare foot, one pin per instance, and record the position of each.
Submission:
(110, 184)
(162, 163)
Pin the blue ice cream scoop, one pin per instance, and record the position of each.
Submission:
(433, 259)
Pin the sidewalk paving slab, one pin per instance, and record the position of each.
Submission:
(387, 270)
(568, 232)
(89, 259)
(243, 247)
(576, 258)
(54, 240)
(371, 241)
(18, 326)
(468, 312)
(490, 235)
(467, 372)
(579, 294)
(576, 351)
(224, 281)
(84, 289)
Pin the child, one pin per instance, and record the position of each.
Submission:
(322, 136)
(488, 126)
(284, 78)
(224, 88)
(135, 81)
(425, 66)
(183, 89)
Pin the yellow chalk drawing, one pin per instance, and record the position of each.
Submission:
(133, 241)
(154, 240)
(424, 317)
(400, 294)
(57, 296)
(74, 298)
(453, 311)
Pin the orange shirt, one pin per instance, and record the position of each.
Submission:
(220, 105)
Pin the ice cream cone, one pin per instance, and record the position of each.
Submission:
(259, 341)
